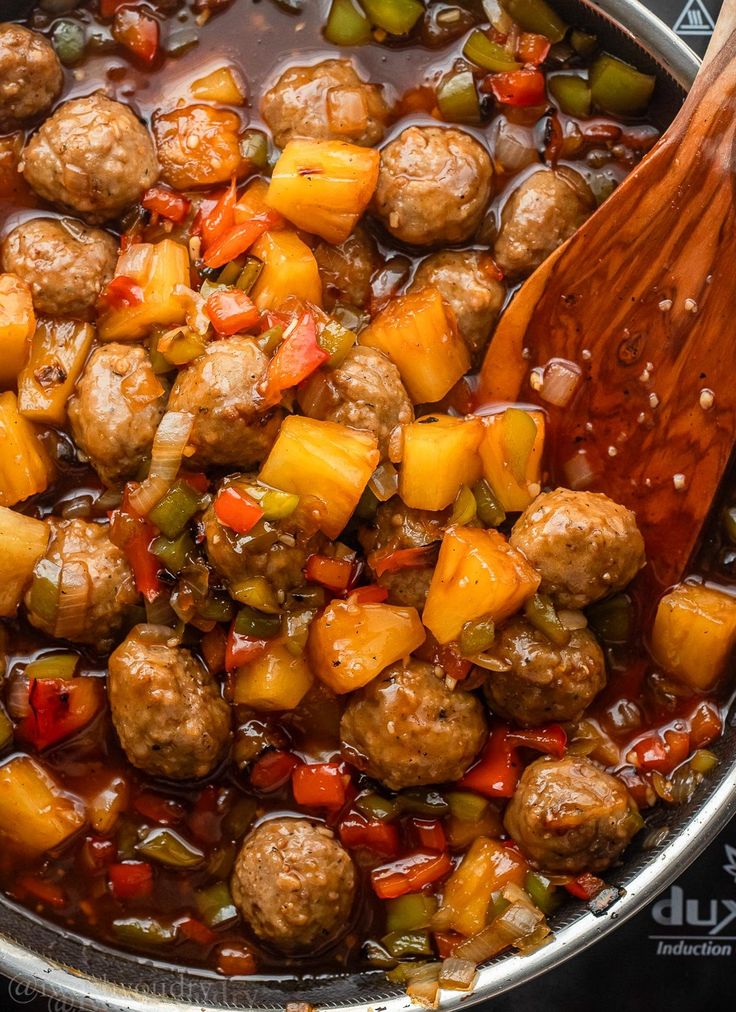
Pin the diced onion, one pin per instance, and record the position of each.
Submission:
(578, 471)
(572, 619)
(520, 924)
(497, 16)
(193, 302)
(489, 663)
(559, 381)
(513, 145)
(423, 985)
(317, 396)
(169, 443)
(135, 262)
(17, 696)
(458, 974)
(74, 591)
(384, 482)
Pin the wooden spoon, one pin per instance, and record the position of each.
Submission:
(642, 301)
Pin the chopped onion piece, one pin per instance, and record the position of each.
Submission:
(423, 985)
(384, 481)
(572, 619)
(458, 974)
(193, 302)
(157, 635)
(169, 443)
(518, 925)
(396, 445)
(578, 471)
(559, 380)
(135, 262)
(497, 16)
(489, 663)
(74, 590)
(17, 697)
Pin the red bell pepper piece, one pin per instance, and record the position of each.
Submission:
(166, 203)
(47, 892)
(453, 663)
(391, 561)
(335, 574)
(296, 357)
(205, 819)
(320, 785)
(59, 707)
(138, 32)
(196, 931)
(239, 649)
(532, 49)
(98, 852)
(272, 770)
(121, 292)
(231, 311)
(372, 594)
(237, 510)
(358, 832)
(215, 216)
(409, 874)
(706, 724)
(108, 7)
(447, 942)
(131, 880)
(237, 240)
(146, 567)
(550, 739)
(165, 811)
(214, 650)
(660, 752)
(585, 886)
(497, 772)
(236, 961)
(196, 480)
(429, 833)
(516, 87)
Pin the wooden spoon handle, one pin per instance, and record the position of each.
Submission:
(724, 37)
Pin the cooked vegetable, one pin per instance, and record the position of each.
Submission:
(169, 848)
(537, 16)
(169, 444)
(419, 334)
(517, 922)
(324, 186)
(58, 708)
(107, 803)
(618, 88)
(278, 680)
(222, 86)
(409, 873)
(35, 811)
(511, 451)
(23, 541)
(289, 270)
(59, 349)
(444, 447)
(540, 611)
(173, 512)
(395, 16)
(215, 905)
(17, 324)
(346, 24)
(572, 94)
(327, 465)
(143, 292)
(413, 912)
(489, 55)
(25, 468)
(320, 785)
(457, 98)
(478, 575)
(351, 643)
(694, 633)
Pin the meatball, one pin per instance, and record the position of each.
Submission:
(326, 102)
(539, 216)
(433, 186)
(220, 389)
(294, 884)
(65, 263)
(92, 156)
(568, 815)
(544, 682)
(583, 545)
(277, 551)
(394, 527)
(364, 392)
(167, 709)
(346, 269)
(468, 282)
(406, 728)
(85, 555)
(115, 410)
(31, 77)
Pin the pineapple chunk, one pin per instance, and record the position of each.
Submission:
(158, 268)
(289, 270)
(35, 811)
(694, 634)
(25, 468)
(107, 801)
(17, 324)
(478, 575)
(324, 187)
(511, 452)
(440, 456)
(23, 541)
(419, 334)
(350, 643)
(486, 868)
(59, 349)
(327, 465)
(278, 680)
(223, 86)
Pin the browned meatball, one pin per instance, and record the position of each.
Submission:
(66, 263)
(568, 815)
(30, 75)
(277, 551)
(92, 156)
(583, 544)
(364, 392)
(406, 728)
(346, 269)
(83, 562)
(539, 216)
(468, 282)
(543, 682)
(434, 186)
(294, 884)
(220, 389)
(394, 527)
(115, 410)
(326, 102)
(167, 709)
